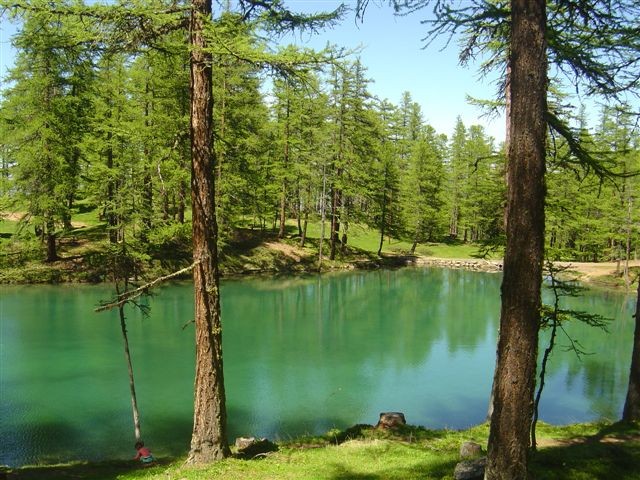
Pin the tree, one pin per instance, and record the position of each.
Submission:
(300, 111)
(122, 27)
(45, 114)
(387, 212)
(424, 188)
(209, 437)
(631, 411)
(554, 317)
(591, 43)
(458, 177)
(519, 319)
(208, 441)
(124, 264)
(110, 147)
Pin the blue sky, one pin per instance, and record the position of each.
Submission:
(392, 51)
(396, 60)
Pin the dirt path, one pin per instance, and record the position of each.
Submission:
(17, 216)
(589, 271)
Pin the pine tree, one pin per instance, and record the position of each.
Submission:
(424, 188)
(45, 110)
(457, 170)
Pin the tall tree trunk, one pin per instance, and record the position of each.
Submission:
(336, 200)
(285, 161)
(627, 280)
(303, 234)
(220, 155)
(282, 213)
(383, 214)
(413, 247)
(181, 201)
(209, 437)
(147, 182)
(323, 215)
(127, 355)
(52, 251)
(631, 411)
(344, 238)
(520, 313)
(112, 217)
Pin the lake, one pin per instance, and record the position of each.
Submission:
(302, 355)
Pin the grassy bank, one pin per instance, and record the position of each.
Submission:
(84, 252)
(576, 452)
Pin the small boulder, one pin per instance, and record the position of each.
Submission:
(250, 447)
(470, 469)
(391, 420)
(470, 450)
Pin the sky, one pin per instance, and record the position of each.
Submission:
(393, 52)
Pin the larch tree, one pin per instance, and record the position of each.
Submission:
(386, 196)
(593, 44)
(631, 410)
(208, 441)
(457, 170)
(45, 115)
(514, 380)
(209, 436)
(424, 185)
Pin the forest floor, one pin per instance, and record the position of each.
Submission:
(575, 452)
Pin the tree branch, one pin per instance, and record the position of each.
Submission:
(128, 296)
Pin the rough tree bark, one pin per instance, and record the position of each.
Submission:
(520, 313)
(631, 411)
(209, 437)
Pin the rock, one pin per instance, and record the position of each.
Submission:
(470, 450)
(470, 469)
(244, 442)
(391, 420)
(250, 447)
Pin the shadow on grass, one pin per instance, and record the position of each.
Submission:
(422, 471)
(404, 433)
(96, 471)
(614, 452)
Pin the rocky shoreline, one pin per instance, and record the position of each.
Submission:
(479, 265)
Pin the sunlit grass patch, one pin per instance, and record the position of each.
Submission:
(574, 452)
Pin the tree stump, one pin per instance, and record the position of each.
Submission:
(391, 420)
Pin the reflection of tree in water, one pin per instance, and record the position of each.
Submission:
(602, 375)
(470, 308)
(332, 338)
(297, 359)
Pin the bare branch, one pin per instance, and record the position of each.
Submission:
(129, 296)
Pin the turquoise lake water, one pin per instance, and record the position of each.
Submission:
(302, 355)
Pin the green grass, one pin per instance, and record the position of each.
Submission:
(8, 227)
(575, 452)
(364, 238)
(246, 252)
